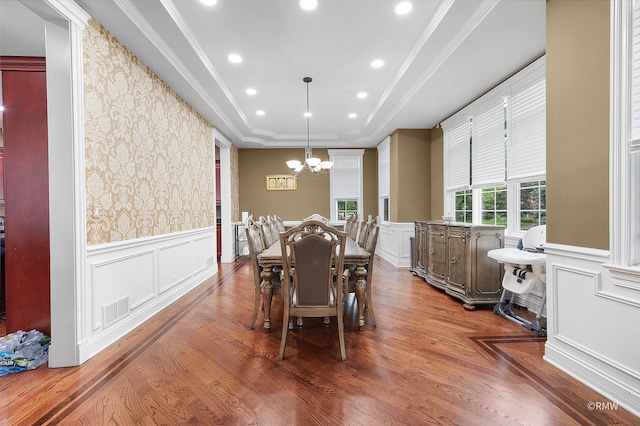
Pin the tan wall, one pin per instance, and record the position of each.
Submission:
(410, 175)
(312, 195)
(437, 174)
(370, 182)
(578, 123)
(149, 156)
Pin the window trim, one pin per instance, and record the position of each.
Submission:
(624, 267)
(384, 178)
(333, 153)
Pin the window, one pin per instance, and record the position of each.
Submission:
(384, 178)
(494, 206)
(488, 138)
(464, 206)
(495, 155)
(385, 209)
(527, 131)
(533, 204)
(346, 182)
(346, 208)
(457, 161)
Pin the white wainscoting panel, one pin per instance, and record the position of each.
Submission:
(593, 338)
(116, 277)
(149, 273)
(175, 264)
(393, 243)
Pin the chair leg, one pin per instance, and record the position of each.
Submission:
(285, 330)
(343, 354)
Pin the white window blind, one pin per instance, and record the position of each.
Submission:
(526, 129)
(635, 77)
(487, 141)
(345, 177)
(457, 143)
(384, 164)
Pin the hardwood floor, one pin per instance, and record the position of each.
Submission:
(428, 362)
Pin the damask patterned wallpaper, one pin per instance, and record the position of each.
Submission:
(149, 156)
(235, 185)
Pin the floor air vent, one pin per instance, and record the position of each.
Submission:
(114, 311)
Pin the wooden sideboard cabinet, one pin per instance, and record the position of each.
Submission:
(437, 266)
(420, 250)
(455, 260)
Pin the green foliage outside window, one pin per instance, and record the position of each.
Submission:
(494, 206)
(533, 207)
(346, 208)
(464, 206)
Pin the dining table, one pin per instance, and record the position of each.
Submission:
(353, 255)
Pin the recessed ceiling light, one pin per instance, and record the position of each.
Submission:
(260, 112)
(308, 4)
(403, 8)
(362, 95)
(353, 115)
(377, 63)
(209, 2)
(307, 114)
(236, 59)
(251, 91)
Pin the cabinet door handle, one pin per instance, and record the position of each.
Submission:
(454, 260)
(432, 251)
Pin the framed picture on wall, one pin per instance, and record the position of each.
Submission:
(281, 182)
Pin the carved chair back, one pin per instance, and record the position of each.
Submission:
(313, 264)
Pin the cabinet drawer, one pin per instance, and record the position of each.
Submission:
(437, 234)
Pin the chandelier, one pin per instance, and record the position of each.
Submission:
(314, 164)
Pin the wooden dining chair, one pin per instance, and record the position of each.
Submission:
(313, 260)
(351, 226)
(362, 233)
(370, 244)
(268, 236)
(279, 222)
(255, 243)
(275, 229)
(318, 217)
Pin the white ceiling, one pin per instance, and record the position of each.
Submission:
(437, 58)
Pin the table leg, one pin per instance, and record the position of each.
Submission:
(267, 294)
(361, 292)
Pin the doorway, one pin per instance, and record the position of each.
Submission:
(26, 195)
(61, 28)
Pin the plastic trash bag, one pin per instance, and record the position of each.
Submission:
(23, 350)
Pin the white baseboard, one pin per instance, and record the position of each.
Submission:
(596, 377)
